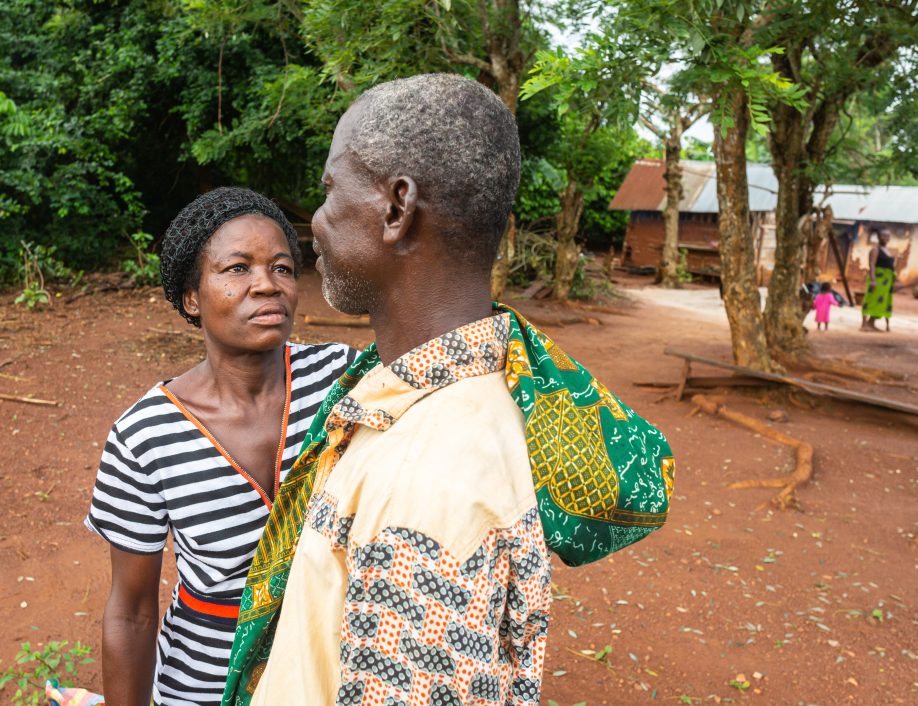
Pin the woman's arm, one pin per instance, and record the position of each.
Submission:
(129, 628)
(874, 254)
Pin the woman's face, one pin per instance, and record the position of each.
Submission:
(247, 294)
(883, 237)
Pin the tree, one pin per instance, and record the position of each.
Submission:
(713, 42)
(677, 114)
(833, 50)
(126, 110)
(362, 43)
(79, 93)
(596, 98)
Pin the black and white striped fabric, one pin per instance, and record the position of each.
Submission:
(159, 470)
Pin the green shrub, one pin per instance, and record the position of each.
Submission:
(143, 268)
(24, 683)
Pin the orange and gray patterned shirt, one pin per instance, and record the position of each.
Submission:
(421, 575)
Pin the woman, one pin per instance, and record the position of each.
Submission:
(878, 299)
(204, 453)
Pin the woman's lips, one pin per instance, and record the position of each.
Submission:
(269, 316)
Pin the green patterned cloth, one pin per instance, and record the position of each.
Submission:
(878, 299)
(603, 478)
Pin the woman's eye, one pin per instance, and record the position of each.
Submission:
(283, 268)
(236, 268)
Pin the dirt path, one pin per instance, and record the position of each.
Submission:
(808, 607)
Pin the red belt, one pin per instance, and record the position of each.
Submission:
(221, 610)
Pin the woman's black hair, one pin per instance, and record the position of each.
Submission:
(187, 236)
(825, 287)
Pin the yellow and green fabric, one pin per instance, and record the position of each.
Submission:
(603, 479)
(878, 299)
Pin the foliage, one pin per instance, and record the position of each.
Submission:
(876, 139)
(143, 268)
(596, 99)
(534, 257)
(114, 115)
(77, 89)
(682, 272)
(534, 260)
(537, 199)
(24, 683)
(37, 266)
(698, 150)
(255, 107)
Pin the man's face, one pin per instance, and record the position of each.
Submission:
(347, 227)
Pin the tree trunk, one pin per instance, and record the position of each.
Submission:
(505, 253)
(822, 228)
(737, 251)
(799, 144)
(567, 253)
(506, 60)
(669, 263)
(783, 312)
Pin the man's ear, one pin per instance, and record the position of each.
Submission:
(402, 200)
(190, 302)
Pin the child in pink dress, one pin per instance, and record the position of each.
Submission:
(823, 304)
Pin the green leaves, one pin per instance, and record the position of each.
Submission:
(23, 684)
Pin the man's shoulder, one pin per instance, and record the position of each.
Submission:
(471, 425)
(454, 466)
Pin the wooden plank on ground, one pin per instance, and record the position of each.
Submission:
(814, 388)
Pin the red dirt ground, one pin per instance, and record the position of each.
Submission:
(807, 606)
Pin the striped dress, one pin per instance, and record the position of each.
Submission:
(161, 469)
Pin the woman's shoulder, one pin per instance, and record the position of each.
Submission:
(149, 404)
(317, 356)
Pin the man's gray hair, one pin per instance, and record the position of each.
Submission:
(457, 140)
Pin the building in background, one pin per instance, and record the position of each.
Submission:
(856, 209)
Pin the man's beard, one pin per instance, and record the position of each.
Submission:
(345, 291)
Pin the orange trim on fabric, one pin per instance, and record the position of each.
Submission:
(214, 609)
(223, 452)
(282, 444)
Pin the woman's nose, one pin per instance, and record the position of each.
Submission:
(263, 281)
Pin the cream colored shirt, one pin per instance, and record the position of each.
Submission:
(421, 574)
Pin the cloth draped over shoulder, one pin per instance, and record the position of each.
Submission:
(603, 478)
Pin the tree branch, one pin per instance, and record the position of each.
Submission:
(469, 60)
(650, 126)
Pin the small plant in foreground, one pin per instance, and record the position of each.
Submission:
(143, 268)
(31, 277)
(24, 683)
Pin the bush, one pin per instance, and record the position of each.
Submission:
(24, 683)
(143, 268)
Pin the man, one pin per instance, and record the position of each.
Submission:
(421, 574)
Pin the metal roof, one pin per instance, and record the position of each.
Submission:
(884, 204)
(645, 190)
(642, 188)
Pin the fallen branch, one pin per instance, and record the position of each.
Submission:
(29, 400)
(804, 452)
(601, 309)
(351, 321)
(565, 320)
(841, 368)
